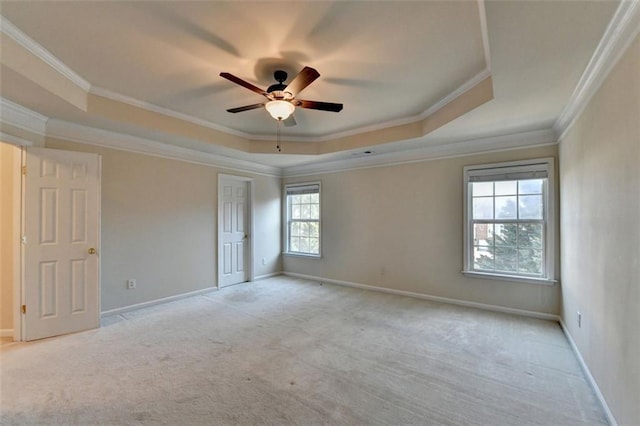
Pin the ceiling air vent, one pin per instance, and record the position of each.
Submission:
(362, 153)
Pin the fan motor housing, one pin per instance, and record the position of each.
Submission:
(277, 90)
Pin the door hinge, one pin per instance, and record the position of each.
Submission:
(23, 239)
(24, 170)
(24, 309)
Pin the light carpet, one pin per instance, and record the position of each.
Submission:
(288, 351)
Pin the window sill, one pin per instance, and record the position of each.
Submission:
(302, 255)
(512, 278)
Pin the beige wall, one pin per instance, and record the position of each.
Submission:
(600, 186)
(159, 220)
(400, 227)
(7, 258)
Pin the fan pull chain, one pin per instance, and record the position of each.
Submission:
(278, 138)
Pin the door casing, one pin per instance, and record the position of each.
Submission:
(16, 232)
(250, 223)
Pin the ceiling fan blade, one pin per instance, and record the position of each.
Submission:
(245, 108)
(289, 122)
(243, 83)
(323, 106)
(302, 80)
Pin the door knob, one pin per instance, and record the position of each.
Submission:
(91, 251)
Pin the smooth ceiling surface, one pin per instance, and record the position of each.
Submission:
(539, 51)
(384, 60)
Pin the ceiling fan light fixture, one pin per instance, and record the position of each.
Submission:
(280, 110)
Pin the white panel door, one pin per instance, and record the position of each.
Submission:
(61, 280)
(234, 232)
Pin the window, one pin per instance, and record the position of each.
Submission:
(509, 228)
(303, 219)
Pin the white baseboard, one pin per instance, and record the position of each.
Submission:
(6, 332)
(172, 298)
(155, 302)
(494, 308)
(265, 276)
(610, 418)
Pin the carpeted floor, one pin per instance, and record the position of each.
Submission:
(288, 351)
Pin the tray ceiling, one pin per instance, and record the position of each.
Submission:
(390, 63)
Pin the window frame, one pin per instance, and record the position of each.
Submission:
(288, 220)
(549, 219)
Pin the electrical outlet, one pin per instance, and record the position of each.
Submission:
(264, 261)
(579, 319)
(131, 283)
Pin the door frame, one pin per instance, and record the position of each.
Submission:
(222, 177)
(16, 232)
(19, 195)
(16, 191)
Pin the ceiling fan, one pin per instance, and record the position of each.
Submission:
(281, 98)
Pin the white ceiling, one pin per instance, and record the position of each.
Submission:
(386, 61)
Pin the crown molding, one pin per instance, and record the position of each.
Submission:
(621, 31)
(14, 140)
(43, 54)
(108, 139)
(439, 151)
(485, 34)
(22, 118)
(26, 119)
(104, 138)
(464, 88)
(118, 97)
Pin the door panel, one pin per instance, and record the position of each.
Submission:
(233, 231)
(78, 216)
(240, 213)
(48, 300)
(61, 279)
(240, 249)
(226, 268)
